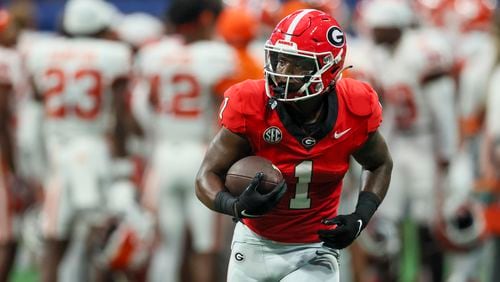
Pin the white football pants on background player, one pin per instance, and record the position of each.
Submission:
(170, 192)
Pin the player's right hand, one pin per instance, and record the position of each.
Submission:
(251, 203)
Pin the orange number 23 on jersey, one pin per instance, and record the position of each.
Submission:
(87, 106)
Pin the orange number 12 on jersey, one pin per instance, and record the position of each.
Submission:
(183, 102)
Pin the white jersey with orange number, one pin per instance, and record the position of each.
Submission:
(177, 83)
(75, 76)
(180, 80)
(420, 55)
(420, 124)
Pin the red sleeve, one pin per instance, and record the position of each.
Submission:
(362, 101)
(230, 114)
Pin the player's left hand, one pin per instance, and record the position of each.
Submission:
(348, 227)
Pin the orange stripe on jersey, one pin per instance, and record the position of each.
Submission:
(470, 126)
(491, 214)
(122, 257)
(487, 185)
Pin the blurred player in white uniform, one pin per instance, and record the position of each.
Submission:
(181, 77)
(12, 83)
(81, 82)
(490, 157)
(420, 123)
(467, 24)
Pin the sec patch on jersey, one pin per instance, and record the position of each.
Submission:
(241, 173)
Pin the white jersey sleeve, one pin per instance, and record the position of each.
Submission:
(493, 103)
(215, 61)
(427, 52)
(433, 64)
(440, 94)
(477, 53)
(116, 59)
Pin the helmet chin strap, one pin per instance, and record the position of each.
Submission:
(339, 74)
(306, 85)
(280, 91)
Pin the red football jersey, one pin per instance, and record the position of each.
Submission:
(313, 164)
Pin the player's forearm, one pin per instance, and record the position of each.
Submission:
(224, 150)
(377, 180)
(375, 158)
(208, 185)
(6, 146)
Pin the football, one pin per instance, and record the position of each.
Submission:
(241, 173)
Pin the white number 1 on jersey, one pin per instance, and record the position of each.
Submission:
(303, 172)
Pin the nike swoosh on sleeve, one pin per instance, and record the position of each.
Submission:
(360, 224)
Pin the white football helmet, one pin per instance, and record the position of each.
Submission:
(464, 230)
(87, 17)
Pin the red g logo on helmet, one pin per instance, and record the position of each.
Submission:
(336, 36)
(304, 55)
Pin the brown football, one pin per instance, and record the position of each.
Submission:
(242, 172)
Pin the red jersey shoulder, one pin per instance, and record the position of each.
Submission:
(242, 100)
(249, 96)
(361, 100)
(247, 91)
(359, 96)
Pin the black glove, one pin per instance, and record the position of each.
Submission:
(349, 226)
(250, 203)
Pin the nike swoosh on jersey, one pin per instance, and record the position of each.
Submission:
(337, 135)
(245, 214)
(360, 224)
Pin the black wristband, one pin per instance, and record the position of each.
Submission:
(368, 203)
(224, 203)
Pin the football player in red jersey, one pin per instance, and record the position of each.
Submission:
(308, 122)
